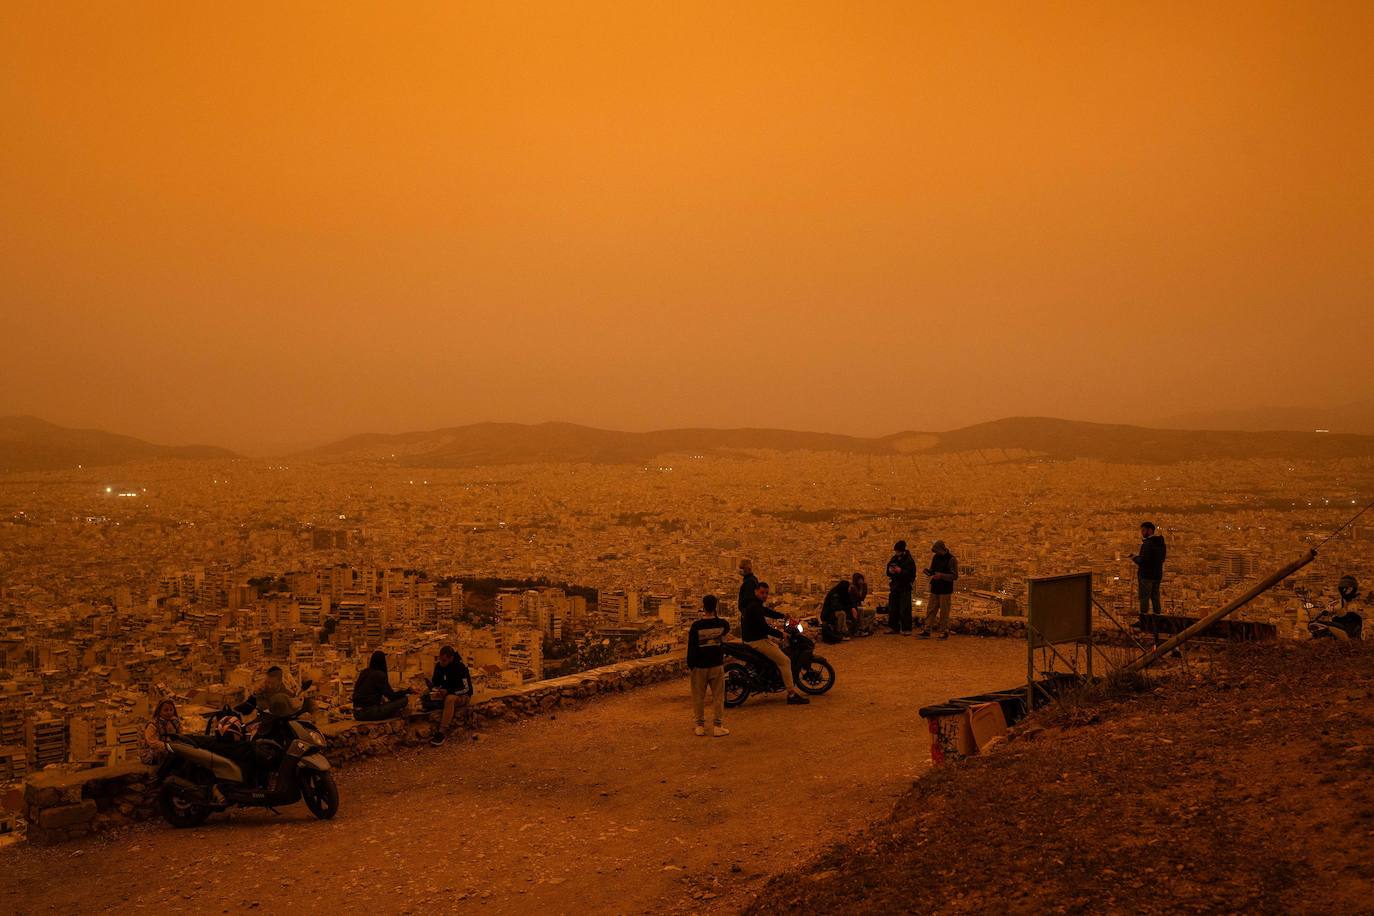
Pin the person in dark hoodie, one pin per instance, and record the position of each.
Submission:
(450, 689)
(840, 610)
(901, 575)
(748, 583)
(373, 696)
(1150, 567)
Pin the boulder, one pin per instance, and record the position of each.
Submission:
(64, 816)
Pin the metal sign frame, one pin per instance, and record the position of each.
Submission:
(1065, 627)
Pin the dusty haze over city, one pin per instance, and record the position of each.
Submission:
(275, 227)
(333, 329)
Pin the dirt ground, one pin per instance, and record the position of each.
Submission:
(1247, 785)
(612, 808)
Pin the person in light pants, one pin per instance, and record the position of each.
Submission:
(706, 659)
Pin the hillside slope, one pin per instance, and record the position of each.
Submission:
(31, 444)
(1247, 789)
(1017, 437)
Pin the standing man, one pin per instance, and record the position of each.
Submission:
(901, 575)
(1150, 567)
(449, 690)
(755, 632)
(706, 659)
(747, 586)
(942, 573)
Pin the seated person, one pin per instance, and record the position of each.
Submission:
(449, 689)
(840, 612)
(275, 684)
(373, 696)
(164, 723)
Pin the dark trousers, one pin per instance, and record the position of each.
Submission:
(899, 610)
(1149, 595)
(388, 710)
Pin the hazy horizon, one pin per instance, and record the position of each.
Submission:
(269, 228)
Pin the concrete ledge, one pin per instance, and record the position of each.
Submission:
(61, 805)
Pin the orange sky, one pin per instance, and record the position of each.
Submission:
(272, 225)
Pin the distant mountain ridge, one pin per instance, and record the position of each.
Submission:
(31, 444)
(485, 444)
(1356, 418)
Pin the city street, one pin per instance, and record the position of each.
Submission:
(614, 807)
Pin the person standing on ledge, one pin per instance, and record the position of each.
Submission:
(747, 585)
(706, 659)
(901, 574)
(942, 573)
(1150, 567)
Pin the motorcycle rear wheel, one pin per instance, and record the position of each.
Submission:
(179, 812)
(736, 684)
(320, 794)
(816, 678)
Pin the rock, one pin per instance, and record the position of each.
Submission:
(62, 816)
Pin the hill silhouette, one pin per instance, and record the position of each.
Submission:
(1357, 418)
(486, 444)
(31, 444)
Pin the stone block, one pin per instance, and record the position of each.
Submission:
(67, 816)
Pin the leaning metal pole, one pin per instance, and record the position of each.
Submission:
(1268, 582)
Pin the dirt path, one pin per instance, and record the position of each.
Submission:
(615, 807)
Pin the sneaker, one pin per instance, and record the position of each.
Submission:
(944, 636)
(437, 739)
(700, 731)
(797, 699)
(924, 634)
(720, 731)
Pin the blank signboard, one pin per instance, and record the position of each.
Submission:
(1060, 608)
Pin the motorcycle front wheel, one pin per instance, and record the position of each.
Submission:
(320, 794)
(816, 678)
(736, 684)
(179, 812)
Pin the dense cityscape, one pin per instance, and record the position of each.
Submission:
(188, 579)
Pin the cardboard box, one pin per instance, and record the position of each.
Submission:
(985, 723)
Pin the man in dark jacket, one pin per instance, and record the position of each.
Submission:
(1150, 567)
(942, 572)
(901, 574)
(748, 583)
(839, 612)
(756, 633)
(449, 689)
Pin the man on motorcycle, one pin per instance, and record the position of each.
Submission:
(756, 633)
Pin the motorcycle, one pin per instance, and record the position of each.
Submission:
(282, 762)
(1347, 625)
(749, 671)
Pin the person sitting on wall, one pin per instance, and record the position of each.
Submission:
(449, 689)
(164, 724)
(373, 696)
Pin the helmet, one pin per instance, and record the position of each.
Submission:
(229, 727)
(1349, 588)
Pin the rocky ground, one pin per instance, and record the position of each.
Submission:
(612, 807)
(1245, 784)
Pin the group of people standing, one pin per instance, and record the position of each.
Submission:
(941, 573)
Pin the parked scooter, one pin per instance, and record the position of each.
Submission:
(281, 763)
(749, 671)
(1347, 625)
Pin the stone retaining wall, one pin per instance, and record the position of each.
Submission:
(61, 805)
